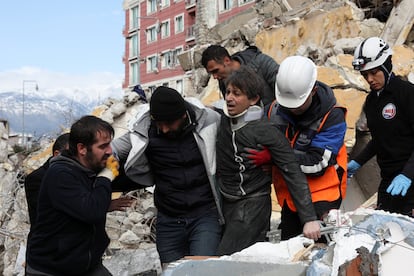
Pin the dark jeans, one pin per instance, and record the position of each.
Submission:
(395, 204)
(179, 237)
(99, 270)
(291, 225)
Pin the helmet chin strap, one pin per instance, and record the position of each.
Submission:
(387, 76)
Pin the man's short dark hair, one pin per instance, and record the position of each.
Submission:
(84, 131)
(214, 52)
(61, 143)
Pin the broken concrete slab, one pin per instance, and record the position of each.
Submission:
(399, 23)
(134, 262)
(216, 267)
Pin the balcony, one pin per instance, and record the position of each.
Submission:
(190, 4)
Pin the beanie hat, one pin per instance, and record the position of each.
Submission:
(166, 104)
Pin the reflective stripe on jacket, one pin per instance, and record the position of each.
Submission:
(329, 186)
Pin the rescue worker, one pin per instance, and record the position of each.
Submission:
(307, 113)
(390, 118)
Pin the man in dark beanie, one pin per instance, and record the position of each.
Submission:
(172, 146)
(390, 118)
(166, 104)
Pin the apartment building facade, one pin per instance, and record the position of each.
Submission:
(157, 31)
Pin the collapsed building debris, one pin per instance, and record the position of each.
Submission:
(364, 242)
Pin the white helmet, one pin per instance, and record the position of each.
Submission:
(371, 53)
(295, 81)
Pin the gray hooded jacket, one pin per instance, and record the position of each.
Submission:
(131, 147)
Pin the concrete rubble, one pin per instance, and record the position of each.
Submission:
(382, 243)
(327, 32)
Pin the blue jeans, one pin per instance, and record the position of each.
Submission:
(179, 237)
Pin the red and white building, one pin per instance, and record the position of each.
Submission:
(157, 31)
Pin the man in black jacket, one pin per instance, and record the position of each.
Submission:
(69, 236)
(390, 117)
(218, 62)
(34, 179)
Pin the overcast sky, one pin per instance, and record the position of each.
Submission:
(61, 43)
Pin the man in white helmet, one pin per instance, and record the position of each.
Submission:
(306, 111)
(390, 117)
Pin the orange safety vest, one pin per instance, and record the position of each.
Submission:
(327, 187)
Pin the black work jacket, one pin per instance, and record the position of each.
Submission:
(390, 118)
(69, 236)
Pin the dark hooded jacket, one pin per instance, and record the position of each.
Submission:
(31, 187)
(69, 236)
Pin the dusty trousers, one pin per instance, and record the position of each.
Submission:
(246, 222)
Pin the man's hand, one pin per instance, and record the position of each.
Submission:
(399, 185)
(111, 169)
(260, 156)
(121, 204)
(312, 230)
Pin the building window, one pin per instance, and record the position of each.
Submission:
(175, 54)
(164, 3)
(134, 73)
(151, 34)
(134, 17)
(133, 50)
(242, 2)
(165, 29)
(151, 6)
(179, 24)
(167, 60)
(190, 32)
(152, 64)
(225, 5)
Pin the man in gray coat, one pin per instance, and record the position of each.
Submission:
(172, 146)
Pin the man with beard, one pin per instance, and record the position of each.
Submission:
(69, 236)
(390, 118)
(172, 146)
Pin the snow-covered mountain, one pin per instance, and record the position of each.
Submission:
(51, 111)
